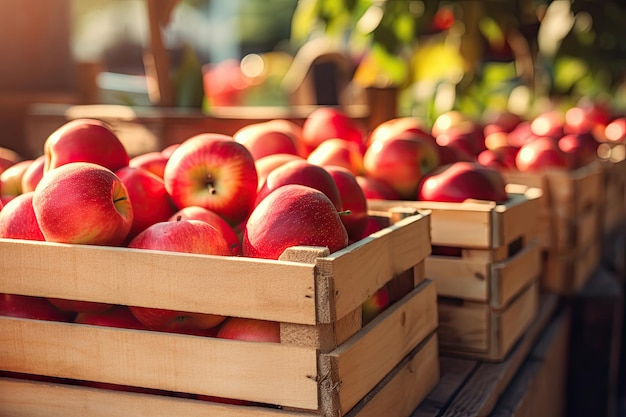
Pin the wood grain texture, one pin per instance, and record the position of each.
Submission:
(273, 373)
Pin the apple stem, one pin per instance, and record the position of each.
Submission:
(344, 212)
(179, 218)
(210, 184)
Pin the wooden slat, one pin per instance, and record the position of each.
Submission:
(265, 372)
(19, 398)
(454, 372)
(406, 386)
(517, 217)
(515, 320)
(459, 278)
(480, 393)
(511, 275)
(586, 225)
(464, 326)
(272, 290)
(359, 270)
(382, 344)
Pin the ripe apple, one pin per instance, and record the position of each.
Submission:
(250, 330)
(266, 138)
(11, 178)
(32, 175)
(303, 173)
(581, 147)
(327, 123)
(541, 153)
(116, 316)
(85, 140)
(502, 157)
(500, 122)
(213, 171)
(169, 150)
(395, 127)
(212, 218)
(550, 123)
(454, 120)
(293, 215)
(338, 152)
(30, 307)
(152, 161)
(461, 181)
(18, 221)
(149, 200)
(521, 135)
(79, 306)
(615, 130)
(352, 200)
(188, 236)
(374, 224)
(451, 154)
(267, 164)
(376, 189)
(374, 305)
(82, 202)
(8, 157)
(400, 162)
(467, 143)
(586, 116)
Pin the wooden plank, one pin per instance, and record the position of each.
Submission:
(454, 373)
(479, 394)
(20, 398)
(463, 325)
(515, 320)
(382, 344)
(539, 386)
(406, 386)
(359, 270)
(518, 217)
(271, 290)
(511, 275)
(459, 278)
(173, 362)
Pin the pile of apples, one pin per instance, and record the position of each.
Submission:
(270, 186)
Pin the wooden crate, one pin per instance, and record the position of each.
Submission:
(613, 212)
(565, 272)
(500, 260)
(327, 364)
(567, 196)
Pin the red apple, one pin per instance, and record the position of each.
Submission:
(149, 200)
(85, 140)
(451, 154)
(265, 138)
(581, 147)
(78, 306)
(500, 122)
(502, 157)
(454, 120)
(303, 173)
(519, 136)
(293, 215)
(213, 171)
(267, 164)
(338, 152)
(375, 189)
(375, 305)
(374, 224)
(11, 178)
(615, 131)
(8, 157)
(250, 330)
(467, 143)
(212, 218)
(82, 202)
(400, 162)
(550, 123)
(327, 123)
(541, 153)
(462, 181)
(152, 161)
(188, 236)
(30, 307)
(116, 316)
(32, 175)
(18, 221)
(395, 127)
(352, 200)
(169, 150)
